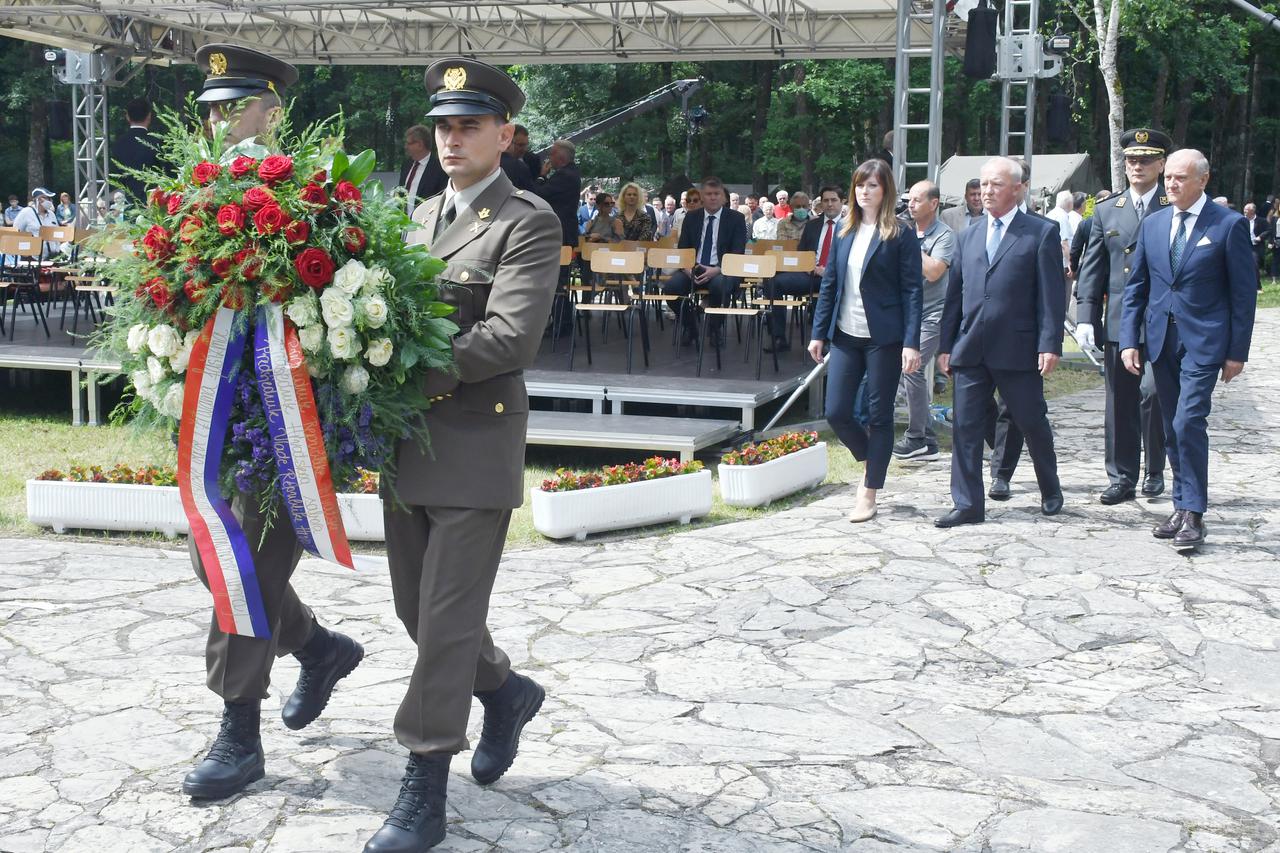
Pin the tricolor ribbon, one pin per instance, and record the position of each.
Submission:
(297, 442)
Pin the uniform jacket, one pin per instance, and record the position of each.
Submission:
(1004, 314)
(1212, 298)
(136, 149)
(501, 275)
(1107, 261)
(433, 179)
(731, 232)
(892, 288)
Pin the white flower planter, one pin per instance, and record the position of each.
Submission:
(756, 485)
(157, 509)
(683, 497)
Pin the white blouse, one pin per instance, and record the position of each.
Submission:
(853, 319)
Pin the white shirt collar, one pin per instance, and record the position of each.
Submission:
(463, 199)
(1146, 198)
(1004, 220)
(1194, 209)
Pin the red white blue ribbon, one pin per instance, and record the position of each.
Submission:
(224, 550)
(306, 484)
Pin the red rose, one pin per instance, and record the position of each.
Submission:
(280, 293)
(173, 204)
(221, 267)
(314, 194)
(191, 264)
(189, 230)
(270, 219)
(249, 262)
(349, 194)
(275, 168)
(157, 243)
(297, 231)
(320, 176)
(256, 198)
(242, 166)
(158, 198)
(195, 290)
(230, 220)
(233, 298)
(314, 267)
(158, 290)
(353, 238)
(204, 172)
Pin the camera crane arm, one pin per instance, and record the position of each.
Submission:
(678, 90)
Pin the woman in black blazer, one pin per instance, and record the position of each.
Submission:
(873, 328)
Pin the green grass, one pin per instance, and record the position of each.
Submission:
(30, 444)
(1270, 295)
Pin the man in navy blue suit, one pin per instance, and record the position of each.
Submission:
(1002, 330)
(1193, 291)
(713, 231)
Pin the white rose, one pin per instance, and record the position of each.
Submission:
(303, 311)
(350, 278)
(190, 340)
(178, 362)
(374, 311)
(377, 279)
(317, 371)
(155, 368)
(142, 384)
(172, 403)
(343, 342)
(137, 337)
(163, 341)
(379, 352)
(311, 338)
(336, 308)
(355, 379)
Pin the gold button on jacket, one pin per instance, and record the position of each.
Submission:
(499, 408)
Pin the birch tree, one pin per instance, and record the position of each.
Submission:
(1102, 20)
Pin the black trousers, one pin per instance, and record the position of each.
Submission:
(1133, 423)
(1004, 438)
(1022, 391)
(786, 284)
(852, 360)
(720, 290)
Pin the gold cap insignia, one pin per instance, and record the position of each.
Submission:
(483, 214)
(1141, 137)
(455, 78)
(217, 64)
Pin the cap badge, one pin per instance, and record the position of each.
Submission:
(455, 78)
(217, 64)
(484, 213)
(1141, 137)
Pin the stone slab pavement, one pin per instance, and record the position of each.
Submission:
(790, 683)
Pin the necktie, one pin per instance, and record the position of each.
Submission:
(707, 237)
(446, 218)
(1141, 208)
(1179, 241)
(408, 185)
(826, 243)
(993, 242)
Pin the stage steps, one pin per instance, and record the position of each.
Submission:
(685, 436)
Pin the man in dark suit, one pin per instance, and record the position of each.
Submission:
(559, 184)
(1133, 421)
(1192, 298)
(421, 176)
(819, 236)
(713, 231)
(135, 148)
(1258, 237)
(1002, 330)
(520, 148)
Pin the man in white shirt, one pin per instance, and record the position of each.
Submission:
(1061, 214)
(421, 176)
(40, 213)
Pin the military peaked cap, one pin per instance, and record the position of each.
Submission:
(233, 72)
(1144, 141)
(468, 87)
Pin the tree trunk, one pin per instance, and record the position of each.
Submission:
(1250, 119)
(1182, 118)
(806, 131)
(1107, 23)
(760, 123)
(38, 129)
(1161, 89)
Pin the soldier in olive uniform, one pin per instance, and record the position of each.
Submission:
(502, 247)
(243, 87)
(1134, 426)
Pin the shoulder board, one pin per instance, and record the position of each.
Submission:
(1122, 201)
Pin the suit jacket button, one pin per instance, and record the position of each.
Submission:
(464, 276)
(1128, 250)
(1126, 270)
(499, 408)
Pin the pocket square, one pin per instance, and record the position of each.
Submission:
(1204, 241)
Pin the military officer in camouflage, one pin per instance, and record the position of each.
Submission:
(243, 87)
(445, 539)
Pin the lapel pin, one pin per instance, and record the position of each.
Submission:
(484, 213)
(475, 227)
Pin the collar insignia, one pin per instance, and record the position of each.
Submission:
(475, 227)
(1164, 199)
(484, 213)
(455, 78)
(217, 64)
(1124, 199)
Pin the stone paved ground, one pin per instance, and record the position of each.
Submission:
(791, 683)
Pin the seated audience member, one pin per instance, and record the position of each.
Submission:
(690, 200)
(734, 201)
(637, 224)
(666, 216)
(745, 210)
(781, 209)
(712, 232)
(753, 202)
(39, 214)
(606, 227)
(819, 236)
(65, 211)
(11, 212)
(792, 226)
(766, 227)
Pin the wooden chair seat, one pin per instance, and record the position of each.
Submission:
(733, 312)
(95, 288)
(600, 306)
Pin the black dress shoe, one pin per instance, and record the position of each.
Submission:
(416, 821)
(1051, 504)
(1191, 534)
(327, 658)
(1117, 493)
(1169, 528)
(778, 345)
(235, 759)
(506, 710)
(999, 490)
(959, 516)
(1152, 485)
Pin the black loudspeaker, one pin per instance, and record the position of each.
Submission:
(980, 41)
(1057, 119)
(59, 120)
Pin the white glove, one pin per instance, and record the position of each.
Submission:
(1084, 336)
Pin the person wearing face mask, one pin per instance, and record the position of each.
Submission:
(40, 213)
(792, 226)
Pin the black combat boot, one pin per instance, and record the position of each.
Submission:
(416, 821)
(506, 710)
(234, 760)
(327, 658)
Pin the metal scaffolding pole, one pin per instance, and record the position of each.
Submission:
(907, 100)
(85, 74)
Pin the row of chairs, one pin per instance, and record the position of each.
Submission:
(31, 280)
